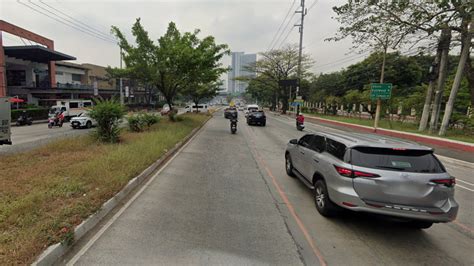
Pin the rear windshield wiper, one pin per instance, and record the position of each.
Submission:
(390, 167)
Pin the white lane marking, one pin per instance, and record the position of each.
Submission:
(91, 242)
(472, 190)
(465, 182)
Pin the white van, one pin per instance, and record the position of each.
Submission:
(70, 108)
(200, 108)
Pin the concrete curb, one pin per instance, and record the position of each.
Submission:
(54, 252)
(448, 143)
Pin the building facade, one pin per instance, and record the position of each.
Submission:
(240, 68)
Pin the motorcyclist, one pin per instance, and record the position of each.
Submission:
(59, 118)
(300, 119)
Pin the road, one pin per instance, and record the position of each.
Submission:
(28, 137)
(226, 199)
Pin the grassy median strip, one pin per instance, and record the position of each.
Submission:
(44, 193)
(454, 134)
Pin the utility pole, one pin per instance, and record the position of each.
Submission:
(303, 13)
(121, 83)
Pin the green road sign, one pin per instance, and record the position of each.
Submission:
(382, 91)
(299, 100)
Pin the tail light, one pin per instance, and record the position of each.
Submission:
(349, 173)
(449, 182)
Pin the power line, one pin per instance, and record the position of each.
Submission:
(283, 22)
(286, 37)
(62, 22)
(71, 22)
(313, 5)
(80, 22)
(280, 42)
(23, 41)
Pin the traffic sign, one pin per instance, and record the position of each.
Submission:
(382, 91)
(296, 103)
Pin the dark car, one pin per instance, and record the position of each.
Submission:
(257, 118)
(230, 112)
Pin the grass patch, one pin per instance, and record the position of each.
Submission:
(44, 193)
(454, 134)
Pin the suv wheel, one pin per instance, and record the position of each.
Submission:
(88, 124)
(324, 205)
(421, 224)
(289, 166)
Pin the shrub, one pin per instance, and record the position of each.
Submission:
(150, 119)
(138, 123)
(108, 114)
(35, 113)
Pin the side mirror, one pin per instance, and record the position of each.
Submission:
(294, 141)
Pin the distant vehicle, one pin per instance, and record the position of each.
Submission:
(70, 108)
(250, 108)
(230, 112)
(257, 118)
(201, 108)
(5, 117)
(24, 119)
(368, 173)
(165, 110)
(83, 121)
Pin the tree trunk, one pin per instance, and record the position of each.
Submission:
(434, 70)
(466, 45)
(446, 40)
(470, 77)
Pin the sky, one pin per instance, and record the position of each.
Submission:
(246, 26)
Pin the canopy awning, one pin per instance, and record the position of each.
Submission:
(35, 53)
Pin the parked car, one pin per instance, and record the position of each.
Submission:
(165, 110)
(201, 108)
(257, 118)
(372, 174)
(229, 112)
(250, 108)
(83, 121)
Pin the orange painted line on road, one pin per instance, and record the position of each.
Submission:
(465, 227)
(290, 207)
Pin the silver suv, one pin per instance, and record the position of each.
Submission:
(369, 173)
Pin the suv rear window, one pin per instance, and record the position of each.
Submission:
(418, 161)
(335, 148)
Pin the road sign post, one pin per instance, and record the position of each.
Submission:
(379, 92)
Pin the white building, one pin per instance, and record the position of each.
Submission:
(239, 68)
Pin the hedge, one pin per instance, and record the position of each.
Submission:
(35, 113)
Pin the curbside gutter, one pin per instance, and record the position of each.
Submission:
(54, 252)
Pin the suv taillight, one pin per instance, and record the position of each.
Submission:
(449, 182)
(350, 173)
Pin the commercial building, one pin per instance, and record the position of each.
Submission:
(240, 68)
(39, 75)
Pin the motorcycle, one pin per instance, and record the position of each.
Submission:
(300, 122)
(24, 120)
(54, 121)
(299, 126)
(233, 125)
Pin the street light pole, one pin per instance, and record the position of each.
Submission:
(303, 14)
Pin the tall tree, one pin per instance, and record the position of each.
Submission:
(369, 28)
(277, 65)
(175, 62)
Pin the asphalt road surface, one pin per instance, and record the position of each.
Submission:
(28, 137)
(226, 199)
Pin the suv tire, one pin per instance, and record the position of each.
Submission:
(324, 205)
(289, 166)
(88, 124)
